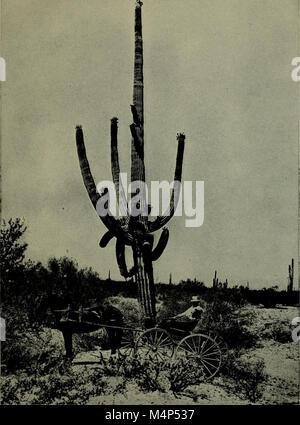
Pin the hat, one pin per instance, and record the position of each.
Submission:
(195, 299)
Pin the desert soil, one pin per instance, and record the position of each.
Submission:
(281, 366)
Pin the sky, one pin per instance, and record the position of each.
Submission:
(218, 71)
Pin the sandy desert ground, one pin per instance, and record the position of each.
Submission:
(80, 383)
(281, 366)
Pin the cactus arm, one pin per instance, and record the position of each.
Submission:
(85, 168)
(162, 220)
(106, 238)
(120, 254)
(138, 144)
(161, 245)
(110, 222)
(121, 260)
(115, 168)
(135, 115)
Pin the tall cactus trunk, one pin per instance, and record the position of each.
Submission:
(137, 149)
(141, 253)
(145, 283)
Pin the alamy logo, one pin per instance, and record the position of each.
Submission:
(296, 71)
(296, 331)
(184, 199)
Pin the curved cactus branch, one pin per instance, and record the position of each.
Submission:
(162, 220)
(161, 245)
(110, 222)
(106, 238)
(85, 168)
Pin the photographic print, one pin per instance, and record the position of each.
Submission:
(149, 204)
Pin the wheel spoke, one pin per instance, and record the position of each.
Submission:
(150, 337)
(155, 343)
(210, 352)
(203, 350)
(159, 355)
(199, 344)
(212, 365)
(204, 344)
(166, 339)
(167, 343)
(211, 355)
(211, 346)
(195, 348)
(162, 333)
(189, 347)
(184, 349)
(211, 358)
(203, 364)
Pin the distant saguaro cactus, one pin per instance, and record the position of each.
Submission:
(291, 277)
(215, 280)
(134, 231)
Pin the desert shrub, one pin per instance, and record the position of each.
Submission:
(61, 386)
(129, 307)
(155, 374)
(90, 341)
(183, 373)
(248, 376)
(34, 352)
(228, 322)
(236, 334)
(232, 297)
(15, 389)
(173, 301)
(280, 331)
(169, 375)
(150, 374)
(172, 306)
(61, 389)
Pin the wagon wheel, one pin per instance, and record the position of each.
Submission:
(202, 349)
(221, 343)
(127, 344)
(155, 344)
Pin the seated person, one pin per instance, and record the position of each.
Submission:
(187, 320)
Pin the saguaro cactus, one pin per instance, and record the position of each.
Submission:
(215, 280)
(291, 276)
(135, 231)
